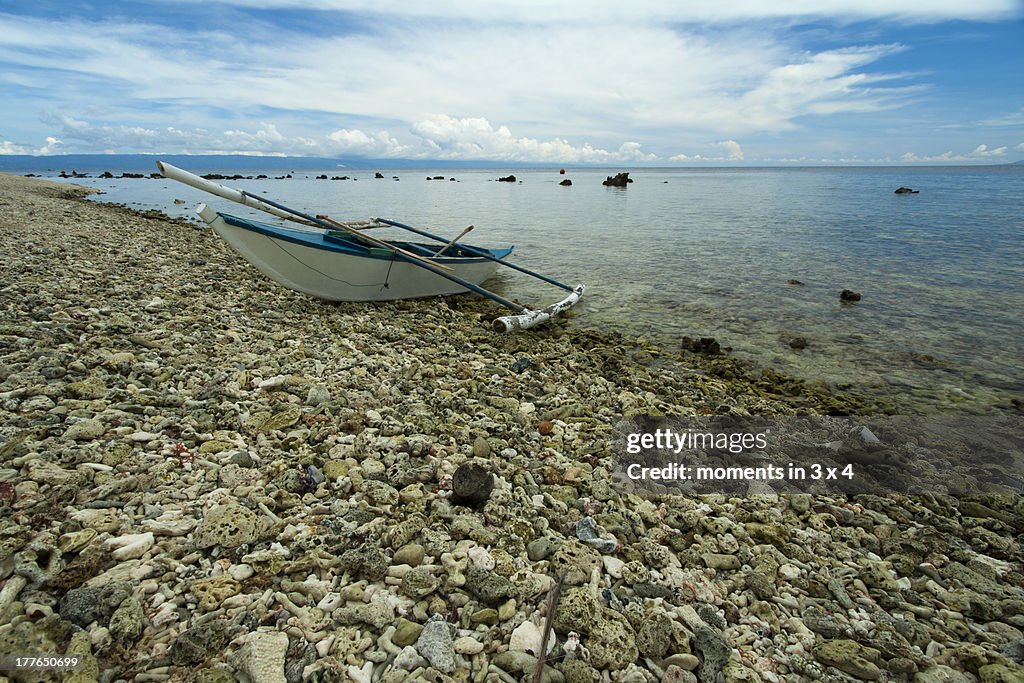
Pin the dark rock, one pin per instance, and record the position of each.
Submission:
(82, 606)
(106, 174)
(714, 652)
(646, 589)
(370, 561)
(507, 179)
(242, 459)
(488, 587)
(522, 363)
(906, 190)
(796, 282)
(848, 296)
(471, 484)
(798, 343)
(299, 656)
(618, 180)
(566, 183)
(378, 174)
(705, 345)
(197, 643)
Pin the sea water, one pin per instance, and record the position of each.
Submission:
(712, 253)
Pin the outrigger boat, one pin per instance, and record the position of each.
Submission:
(338, 261)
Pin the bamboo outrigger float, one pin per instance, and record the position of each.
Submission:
(338, 261)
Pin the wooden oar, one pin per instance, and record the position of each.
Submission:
(377, 242)
(454, 240)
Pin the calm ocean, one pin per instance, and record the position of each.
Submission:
(711, 252)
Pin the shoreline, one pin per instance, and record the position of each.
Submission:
(856, 358)
(163, 403)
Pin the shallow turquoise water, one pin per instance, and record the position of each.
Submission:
(710, 252)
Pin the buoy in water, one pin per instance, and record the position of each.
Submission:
(561, 171)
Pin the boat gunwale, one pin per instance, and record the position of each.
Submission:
(349, 247)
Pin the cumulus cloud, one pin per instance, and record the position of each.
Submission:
(53, 146)
(438, 137)
(8, 147)
(726, 150)
(979, 153)
(477, 138)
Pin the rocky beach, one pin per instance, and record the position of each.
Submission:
(206, 477)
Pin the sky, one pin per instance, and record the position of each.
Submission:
(647, 82)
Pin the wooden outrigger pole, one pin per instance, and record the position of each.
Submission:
(524, 317)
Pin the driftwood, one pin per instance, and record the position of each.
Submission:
(549, 621)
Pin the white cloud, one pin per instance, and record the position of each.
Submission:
(53, 146)
(476, 138)
(439, 136)
(600, 81)
(726, 150)
(602, 84)
(8, 147)
(979, 153)
(984, 151)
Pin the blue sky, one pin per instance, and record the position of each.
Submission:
(600, 81)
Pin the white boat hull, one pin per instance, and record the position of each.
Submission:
(335, 276)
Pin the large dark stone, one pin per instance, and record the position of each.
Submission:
(82, 606)
(848, 296)
(472, 484)
(906, 190)
(618, 180)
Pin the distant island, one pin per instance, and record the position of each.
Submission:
(204, 163)
(95, 164)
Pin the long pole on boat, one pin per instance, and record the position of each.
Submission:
(200, 183)
(476, 252)
(282, 211)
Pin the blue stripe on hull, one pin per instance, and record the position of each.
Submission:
(343, 245)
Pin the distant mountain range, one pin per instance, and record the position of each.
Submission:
(213, 163)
